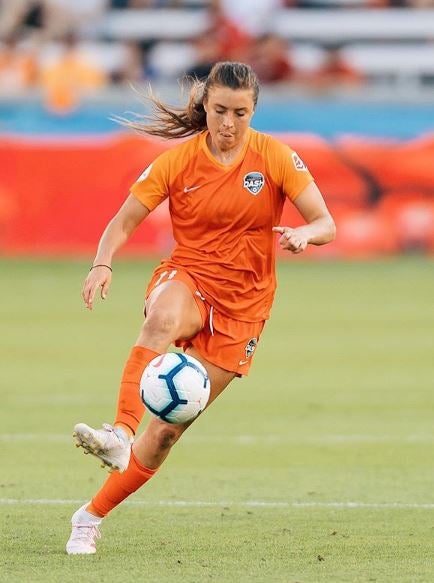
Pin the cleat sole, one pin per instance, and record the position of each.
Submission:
(91, 446)
(96, 453)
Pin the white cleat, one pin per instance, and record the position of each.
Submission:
(111, 445)
(84, 534)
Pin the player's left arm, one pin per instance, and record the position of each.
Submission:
(319, 228)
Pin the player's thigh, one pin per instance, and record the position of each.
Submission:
(172, 305)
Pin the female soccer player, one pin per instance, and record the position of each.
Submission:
(226, 186)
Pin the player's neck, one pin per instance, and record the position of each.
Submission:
(225, 156)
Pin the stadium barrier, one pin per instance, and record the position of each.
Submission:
(57, 195)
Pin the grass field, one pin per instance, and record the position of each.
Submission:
(318, 467)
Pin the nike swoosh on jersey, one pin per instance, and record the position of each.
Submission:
(242, 362)
(186, 189)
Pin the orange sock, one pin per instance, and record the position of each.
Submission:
(118, 486)
(130, 407)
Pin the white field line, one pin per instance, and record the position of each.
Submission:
(227, 504)
(250, 439)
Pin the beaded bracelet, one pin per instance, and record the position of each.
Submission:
(101, 265)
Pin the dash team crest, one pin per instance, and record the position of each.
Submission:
(250, 347)
(253, 182)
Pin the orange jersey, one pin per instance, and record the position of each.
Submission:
(222, 217)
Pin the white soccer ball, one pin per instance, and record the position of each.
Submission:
(175, 387)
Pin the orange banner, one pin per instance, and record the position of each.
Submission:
(57, 196)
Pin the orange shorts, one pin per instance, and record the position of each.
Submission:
(223, 341)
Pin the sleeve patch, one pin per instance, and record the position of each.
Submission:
(144, 175)
(298, 163)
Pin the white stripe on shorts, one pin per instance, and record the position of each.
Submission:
(211, 313)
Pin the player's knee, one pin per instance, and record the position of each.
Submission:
(167, 435)
(161, 323)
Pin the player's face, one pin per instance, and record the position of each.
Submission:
(229, 112)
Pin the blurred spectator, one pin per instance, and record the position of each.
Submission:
(253, 17)
(268, 55)
(69, 77)
(54, 17)
(16, 14)
(334, 72)
(337, 4)
(18, 68)
(270, 59)
(223, 40)
(421, 3)
(131, 67)
(167, 60)
(137, 4)
(62, 16)
(235, 26)
(232, 40)
(156, 3)
(208, 51)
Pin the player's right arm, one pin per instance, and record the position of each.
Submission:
(117, 232)
(149, 190)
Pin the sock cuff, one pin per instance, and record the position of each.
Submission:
(90, 517)
(148, 472)
(138, 360)
(143, 352)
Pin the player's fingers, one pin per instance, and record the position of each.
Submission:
(89, 291)
(105, 289)
(85, 292)
(90, 297)
(291, 242)
(280, 230)
(300, 247)
(289, 239)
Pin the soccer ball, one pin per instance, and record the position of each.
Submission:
(175, 387)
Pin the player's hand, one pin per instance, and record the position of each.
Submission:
(292, 239)
(98, 278)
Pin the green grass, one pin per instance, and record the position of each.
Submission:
(338, 408)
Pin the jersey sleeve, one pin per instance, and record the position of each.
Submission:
(288, 169)
(152, 186)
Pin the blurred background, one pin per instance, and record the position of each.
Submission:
(348, 83)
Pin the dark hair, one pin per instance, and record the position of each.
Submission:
(175, 122)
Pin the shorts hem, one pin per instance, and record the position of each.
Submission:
(216, 361)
